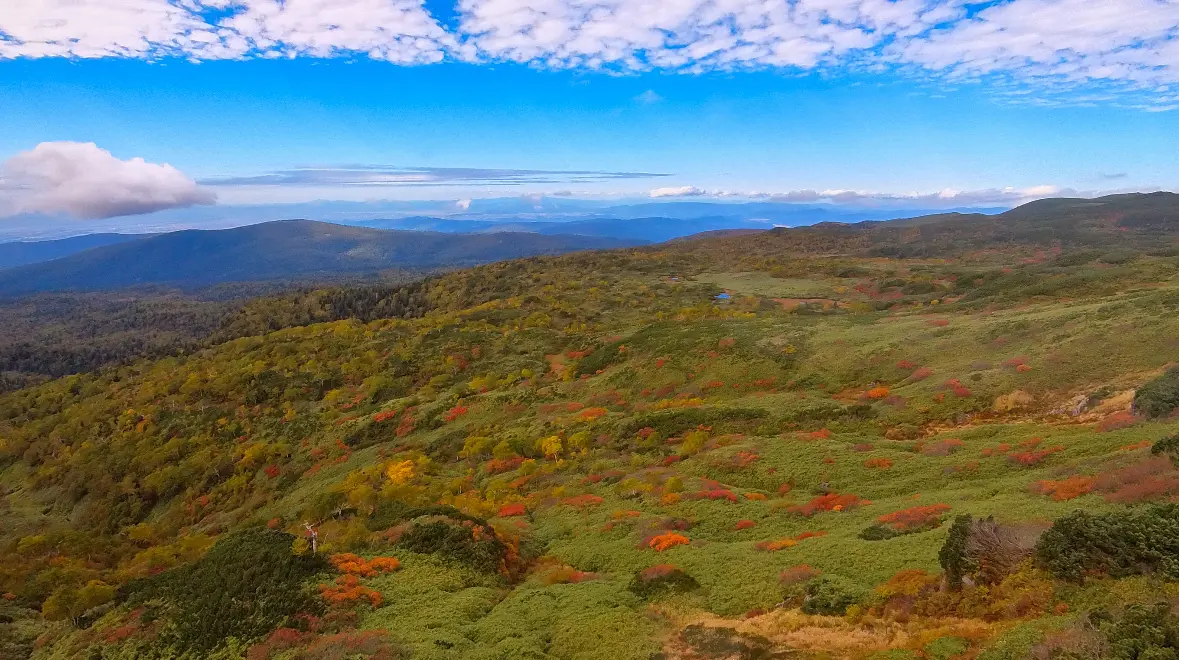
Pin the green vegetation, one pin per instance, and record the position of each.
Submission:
(588, 457)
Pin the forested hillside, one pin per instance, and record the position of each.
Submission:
(286, 250)
(946, 439)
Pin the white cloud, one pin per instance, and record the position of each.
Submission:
(681, 191)
(947, 198)
(1107, 49)
(85, 181)
(399, 31)
(648, 97)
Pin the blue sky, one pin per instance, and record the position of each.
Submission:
(891, 99)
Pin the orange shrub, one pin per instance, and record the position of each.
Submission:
(667, 541)
(1065, 489)
(347, 591)
(915, 518)
(880, 463)
(590, 414)
(744, 524)
(456, 412)
(757, 497)
(385, 564)
(828, 502)
(781, 544)
(877, 393)
(1136, 446)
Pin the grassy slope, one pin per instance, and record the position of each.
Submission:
(1106, 335)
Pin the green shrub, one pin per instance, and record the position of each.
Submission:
(1160, 396)
(954, 555)
(1169, 446)
(661, 580)
(1115, 544)
(877, 533)
(247, 585)
(830, 595)
(456, 540)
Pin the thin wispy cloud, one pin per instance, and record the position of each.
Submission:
(384, 176)
(1026, 51)
(948, 198)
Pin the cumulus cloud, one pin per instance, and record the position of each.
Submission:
(84, 181)
(681, 191)
(1108, 49)
(399, 31)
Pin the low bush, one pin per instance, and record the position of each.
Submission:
(1160, 396)
(829, 595)
(247, 585)
(661, 580)
(1116, 544)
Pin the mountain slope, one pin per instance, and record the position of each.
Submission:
(20, 253)
(277, 250)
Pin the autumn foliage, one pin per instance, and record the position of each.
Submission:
(667, 541)
(1065, 489)
(828, 502)
(915, 518)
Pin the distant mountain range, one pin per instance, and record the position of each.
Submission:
(476, 215)
(292, 249)
(19, 253)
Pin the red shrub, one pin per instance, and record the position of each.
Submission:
(1149, 479)
(879, 463)
(582, 501)
(938, 323)
(272, 471)
(744, 524)
(456, 412)
(512, 510)
(863, 446)
(906, 365)
(1117, 421)
(828, 502)
(498, 465)
(956, 386)
(715, 494)
(590, 414)
(1032, 458)
(384, 416)
(657, 571)
(915, 518)
(921, 374)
